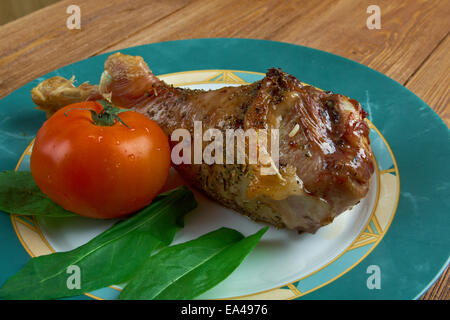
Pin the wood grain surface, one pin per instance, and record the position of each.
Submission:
(412, 46)
(13, 9)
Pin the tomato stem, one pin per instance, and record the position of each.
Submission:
(106, 117)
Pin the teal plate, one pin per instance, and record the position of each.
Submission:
(404, 242)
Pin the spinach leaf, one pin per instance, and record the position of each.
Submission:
(187, 270)
(19, 194)
(110, 258)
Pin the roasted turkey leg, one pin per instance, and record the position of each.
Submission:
(325, 159)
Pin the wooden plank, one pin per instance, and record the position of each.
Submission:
(432, 80)
(13, 9)
(410, 29)
(218, 18)
(409, 32)
(441, 289)
(41, 42)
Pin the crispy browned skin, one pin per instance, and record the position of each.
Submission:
(325, 160)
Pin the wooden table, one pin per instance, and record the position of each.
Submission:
(412, 46)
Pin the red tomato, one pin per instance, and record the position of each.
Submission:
(100, 171)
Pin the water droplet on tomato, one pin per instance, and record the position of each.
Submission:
(131, 157)
(100, 138)
(117, 164)
(117, 142)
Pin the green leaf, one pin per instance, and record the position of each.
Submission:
(110, 258)
(19, 194)
(187, 270)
